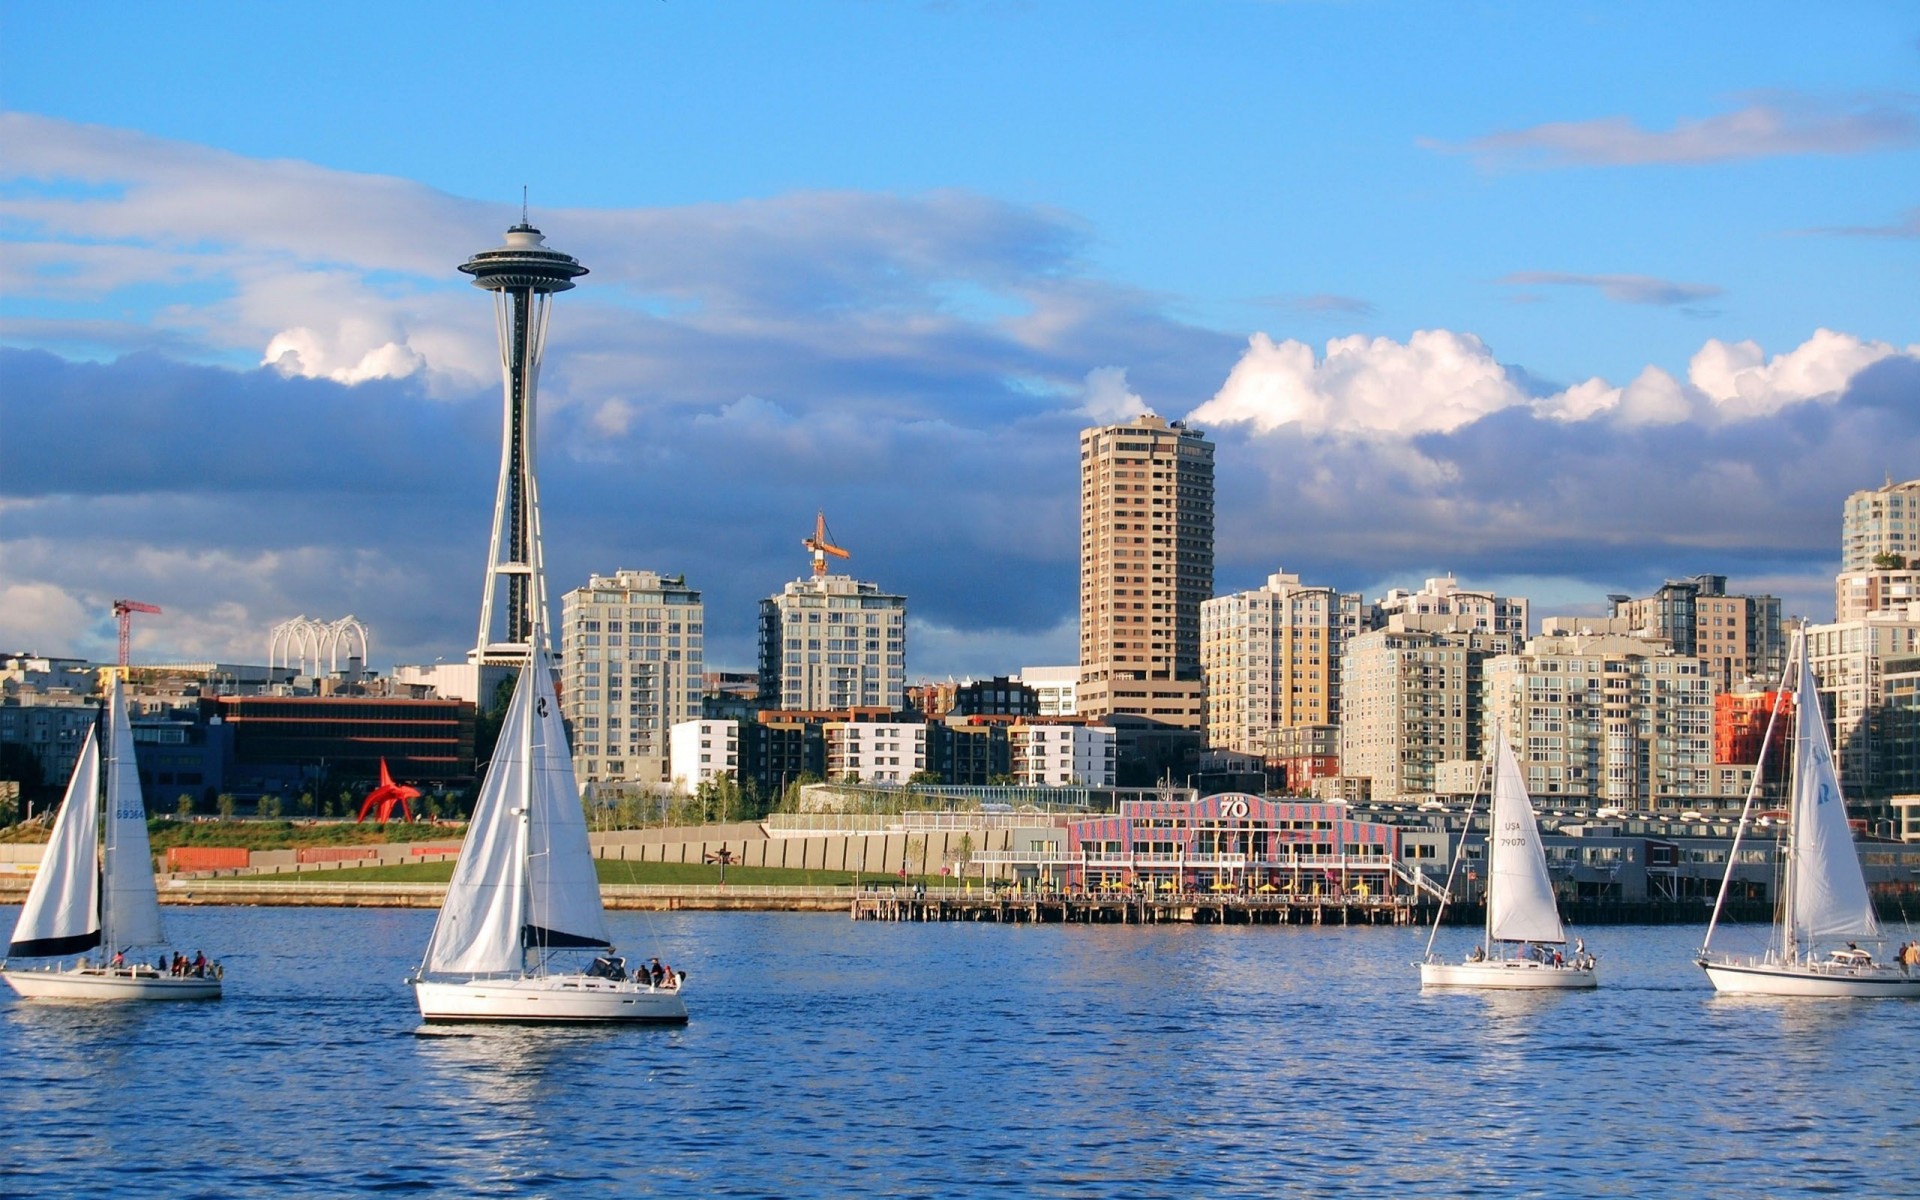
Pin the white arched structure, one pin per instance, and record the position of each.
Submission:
(304, 645)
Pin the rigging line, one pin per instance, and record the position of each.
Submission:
(1459, 853)
(1746, 810)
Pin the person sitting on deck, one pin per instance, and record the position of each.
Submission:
(1479, 954)
(199, 964)
(654, 973)
(669, 979)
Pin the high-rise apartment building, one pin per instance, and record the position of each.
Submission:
(1410, 697)
(832, 642)
(1615, 721)
(1876, 589)
(1849, 660)
(631, 663)
(1738, 638)
(1444, 597)
(1146, 565)
(1271, 660)
(1881, 521)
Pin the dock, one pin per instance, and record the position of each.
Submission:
(1058, 908)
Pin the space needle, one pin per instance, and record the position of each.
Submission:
(523, 276)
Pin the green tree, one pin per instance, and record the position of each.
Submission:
(268, 807)
(17, 762)
(487, 722)
(225, 806)
(1890, 562)
(183, 807)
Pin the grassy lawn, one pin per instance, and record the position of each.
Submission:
(611, 871)
(165, 832)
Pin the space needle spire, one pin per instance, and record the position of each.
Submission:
(523, 276)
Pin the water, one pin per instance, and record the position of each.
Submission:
(828, 1058)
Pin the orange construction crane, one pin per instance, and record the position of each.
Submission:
(821, 547)
(124, 609)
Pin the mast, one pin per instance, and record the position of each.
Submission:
(1794, 800)
(522, 875)
(108, 843)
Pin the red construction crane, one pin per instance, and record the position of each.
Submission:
(124, 609)
(821, 547)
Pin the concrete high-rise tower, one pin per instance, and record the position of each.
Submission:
(1146, 564)
(523, 275)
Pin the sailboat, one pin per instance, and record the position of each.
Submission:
(1521, 911)
(525, 888)
(96, 892)
(1824, 901)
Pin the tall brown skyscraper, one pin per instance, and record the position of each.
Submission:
(1146, 563)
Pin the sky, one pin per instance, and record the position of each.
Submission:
(1561, 299)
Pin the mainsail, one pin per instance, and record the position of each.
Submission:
(1828, 891)
(563, 889)
(1520, 902)
(525, 876)
(132, 904)
(62, 912)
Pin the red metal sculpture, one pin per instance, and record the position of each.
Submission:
(387, 795)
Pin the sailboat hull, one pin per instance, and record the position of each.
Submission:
(108, 983)
(1759, 978)
(1516, 974)
(549, 1000)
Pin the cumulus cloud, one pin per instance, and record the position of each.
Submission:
(1769, 125)
(1438, 381)
(1623, 289)
(1434, 382)
(1107, 400)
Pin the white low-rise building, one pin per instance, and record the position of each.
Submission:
(1062, 755)
(1055, 687)
(875, 751)
(698, 751)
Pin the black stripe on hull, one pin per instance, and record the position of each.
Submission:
(59, 947)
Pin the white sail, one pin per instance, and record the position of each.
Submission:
(563, 890)
(478, 931)
(62, 912)
(525, 877)
(132, 905)
(1828, 892)
(1520, 902)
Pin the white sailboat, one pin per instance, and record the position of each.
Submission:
(95, 890)
(1824, 909)
(1521, 911)
(525, 887)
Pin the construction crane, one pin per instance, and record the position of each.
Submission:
(124, 609)
(821, 547)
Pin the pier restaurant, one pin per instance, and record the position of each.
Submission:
(1230, 842)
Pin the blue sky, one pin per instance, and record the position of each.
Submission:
(1575, 262)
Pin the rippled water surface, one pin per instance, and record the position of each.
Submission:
(827, 1058)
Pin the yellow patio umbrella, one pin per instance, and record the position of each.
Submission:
(1166, 885)
(1222, 887)
(1267, 887)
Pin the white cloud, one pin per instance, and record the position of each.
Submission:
(1107, 400)
(1774, 124)
(1438, 382)
(1727, 381)
(1434, 382)
(42, 617)
(1741, 382)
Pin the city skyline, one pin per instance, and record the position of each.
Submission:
(1558, 332)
